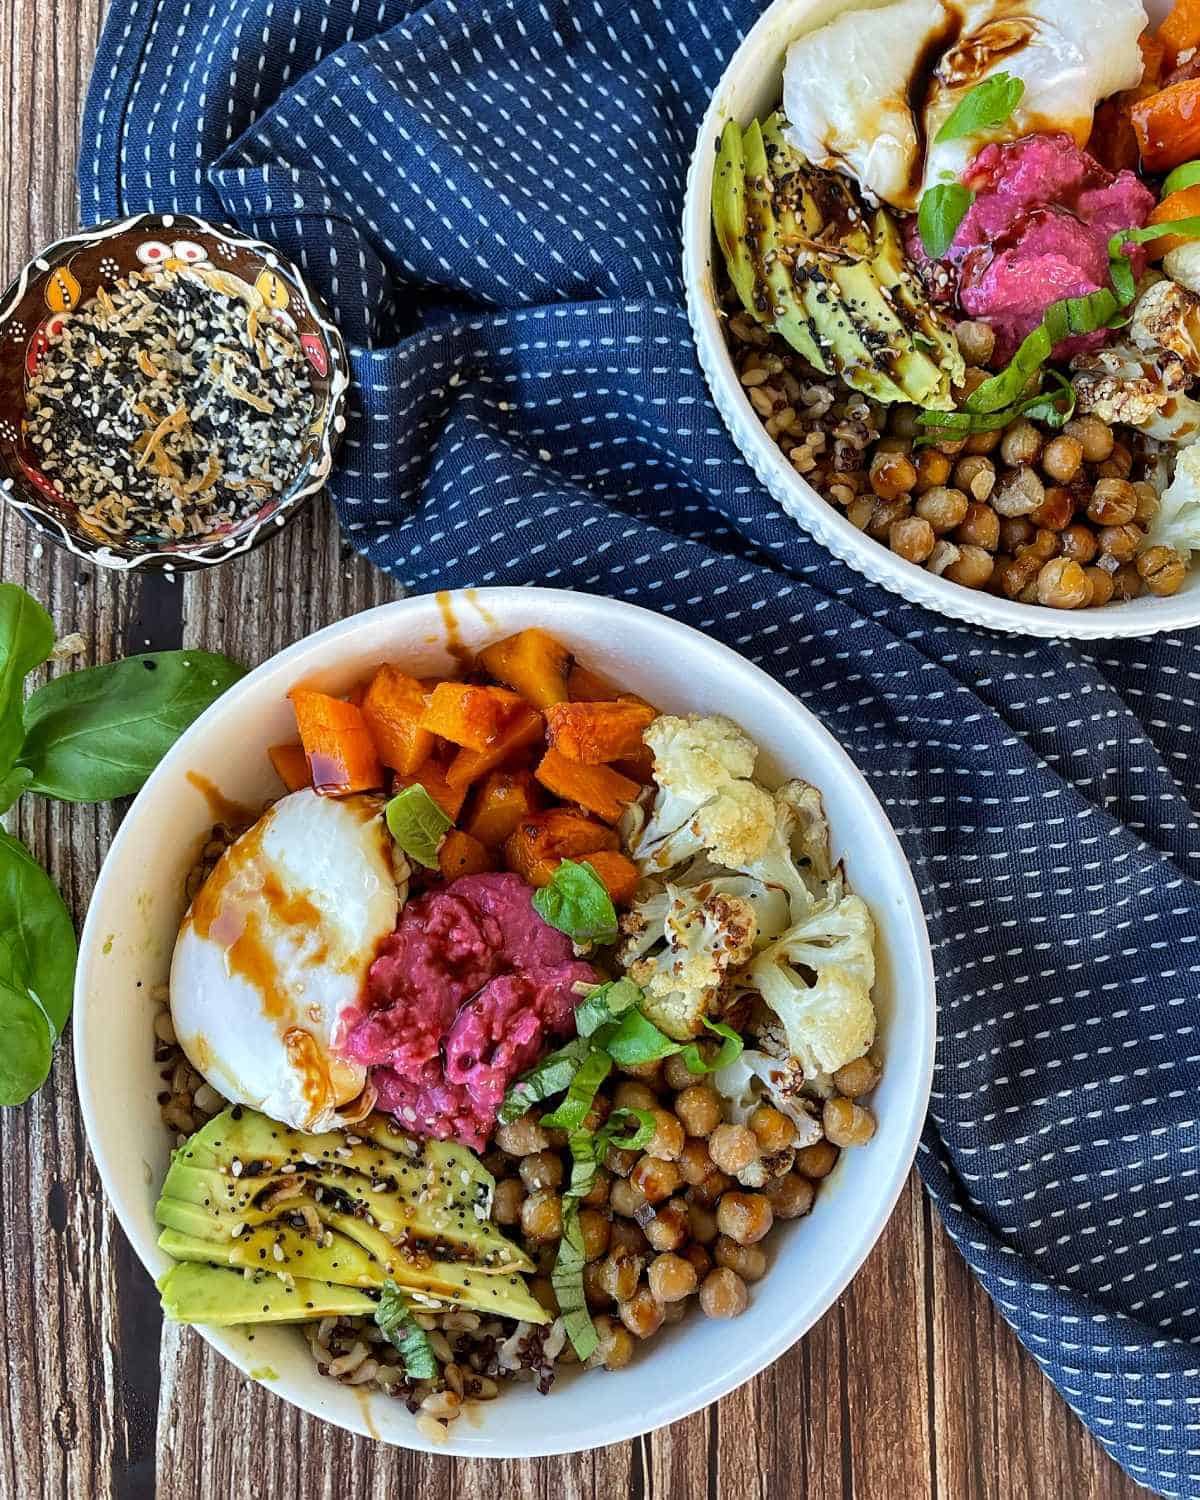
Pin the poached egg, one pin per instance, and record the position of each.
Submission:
(275, 949)
(867, 93)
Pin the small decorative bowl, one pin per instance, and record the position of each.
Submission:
(68, 274)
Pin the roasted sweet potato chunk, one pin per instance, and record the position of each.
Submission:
(433, 778)
(478, 718)
(341, 754)
(392, 707)
(619, 874)
(291, 766)
(517, 744)
(596, 733)
(460, 854)
(1180, 32)
(1183, 204)
(600, 789)
(503, 799)
(532, 663)
(540, 841)
(1167, 125)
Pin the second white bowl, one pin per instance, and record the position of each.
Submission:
(749, 89)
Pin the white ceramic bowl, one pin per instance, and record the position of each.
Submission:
(750, 88)
(138, 903)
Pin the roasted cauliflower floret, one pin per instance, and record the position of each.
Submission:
(706, 800)
(756, 1076)
(1177, 521)
(684, 969)
(1183, 265)
(828, 1018)
(1167, 317)
(1123, 384)
(799, 836)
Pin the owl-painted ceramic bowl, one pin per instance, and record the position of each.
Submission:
(70, 273)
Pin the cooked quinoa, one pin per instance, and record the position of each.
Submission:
(169, 406)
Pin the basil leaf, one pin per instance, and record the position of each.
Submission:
(1185, 176)
(728, 1053)
(637, 1040)
(635, 1140)
(551, 1076)
(1055, 408)
(942, 210)
(97, 734)
(26, 641)
(37, 938)
(984, 107)
(417, 824)
(581, 1094)
(567, 1275)
(605, 1003)
(395, 1320)
(577, 903)
(12, 785)
(26, 1044)
(1118, 262)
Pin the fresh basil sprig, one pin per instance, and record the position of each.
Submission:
(577, 903)
(941, 211)
(26, 641)
(984, 107)
(396, 1322)
(417, 824)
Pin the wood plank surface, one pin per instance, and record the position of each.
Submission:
(912, 1388)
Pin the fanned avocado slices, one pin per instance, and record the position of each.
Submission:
(807, 263)
(357, 1210)
(196, 1293)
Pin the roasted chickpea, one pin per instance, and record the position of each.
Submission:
(655, 1178)
(702, 1222)
(892, 474)
(973, 568)
(942, 508)
(1056, 509)
(818, 1160)
(671, 1278)
(624, 1234)
(912, 539)
(1015, 532)
(1078, 543)
(749, 1261)
(1120, 542)
(933, 469)
(669, 1228)
(695, 1164)
(1021, 443)
(1013, 575)
(700, 1258)
(744, 1217)
(713, 1186)
(674, 1312)
(1092, 435)
(847, 1123)
(1019, 492)
(522, 1137)
(885, 515)
(856, 1078)
(676, 1075)
(642, 1314)
(615, 1347)
(1162, 570)
(648, 1072)
(976, 341)
(1062, 458)
(723, 1294)
(980, 528)
(1148, 502)
(620, 1163)
(902, 420)
(507, 1200)
(860, 511)
(1118, 464)
(976, 475)
(594, 1293)
(541, 1216)
(733, 1148)
(699, 1109)
(944, 553)
(544, 1169)
(772, 1130)
(544, 1294)
(619, 1273)
(625, 1197)
(1114, 502)
(597, 1195)
(594, 1227)
(630, 1094)
(1045, 545)
(668, 1138)
(791, 1196)
(1127, 582)
(1102, 586)
(983, 442)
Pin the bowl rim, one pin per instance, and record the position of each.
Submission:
(827, 525)
(167, 559)
(919, 1020)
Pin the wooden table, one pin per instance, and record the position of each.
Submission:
(911, 1388)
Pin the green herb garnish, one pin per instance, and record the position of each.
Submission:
(551, 1076)
(581, 1093)
(577, 903)
(984, 107)
(942, 210)
(567, 1276)
(1118, 262)
(404, 1333)
(605, 1003)
(417, 824)
(1054, 407)
(636, 1139)
(1185, 176)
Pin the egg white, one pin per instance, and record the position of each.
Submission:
(275, 948)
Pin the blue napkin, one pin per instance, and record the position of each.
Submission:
(489, 196)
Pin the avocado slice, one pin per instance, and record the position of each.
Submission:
(193, 1292)
(341, 1261)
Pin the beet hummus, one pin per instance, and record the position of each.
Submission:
(462, 998)
(1037, 232)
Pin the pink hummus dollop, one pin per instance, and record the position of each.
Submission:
(1037, 232)
(464, 996)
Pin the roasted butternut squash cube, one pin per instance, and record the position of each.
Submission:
(291, 766)
(619, 875)
(596, 733)
(540, 841)
(502, 800)
(520, 744)
(460, 854)
(341, 754)
(477, 718)
(532, 663)
(599, 789)
(433, 778)
(392, 707)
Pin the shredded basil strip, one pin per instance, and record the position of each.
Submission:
(642, 1136)
(728, 1053)
(984, 107)
(1185, 176)
(942, 209)
(637, 1040)
(567, 1275)
(581, 1094)
(605, 1003)
(553, 1075)
(1055, 408)
(397, 1324)
(1118, 262)
(417, 824)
